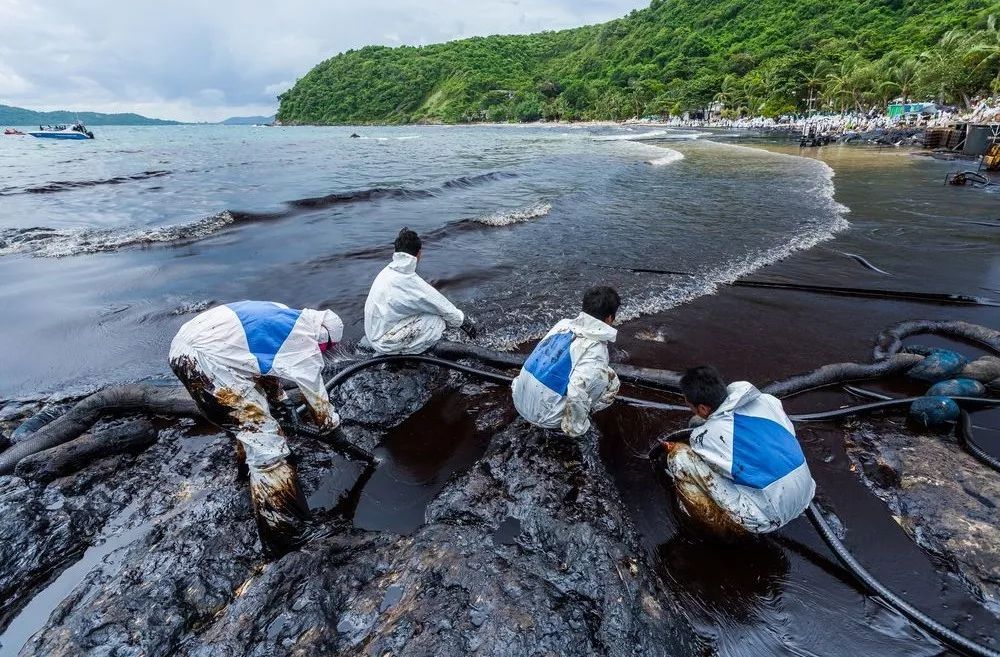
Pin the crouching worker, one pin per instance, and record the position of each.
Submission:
(230, 359)
(567, 376)
(403, 313)
(743, 470)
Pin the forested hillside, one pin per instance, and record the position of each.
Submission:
(20, 116)
(753, 56)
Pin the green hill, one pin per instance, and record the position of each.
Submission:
(20, 116)
(752, 56)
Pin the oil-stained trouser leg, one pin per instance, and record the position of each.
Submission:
(241, 408)
(702, 492)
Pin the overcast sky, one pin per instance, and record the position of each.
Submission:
(205, 60)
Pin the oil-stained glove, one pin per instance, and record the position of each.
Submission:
(469, 328)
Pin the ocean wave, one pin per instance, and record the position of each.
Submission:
(67, 185)
(655, 135)
(829, 220)
(516, 216)
(656, 293)
(644, 135)
(58, 243)
(669, 157)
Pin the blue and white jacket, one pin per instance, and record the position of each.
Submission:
(235, 343)
(750, 441)
(567, 376)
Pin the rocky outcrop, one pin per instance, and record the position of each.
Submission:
(529, 552)
(945, 499)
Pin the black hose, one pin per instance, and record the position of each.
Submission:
(879, 405)
(493, 377)
(966, 438)
(922, 620)
(861, 292)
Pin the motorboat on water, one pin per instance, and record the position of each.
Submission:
(12, 131)
(75, 131)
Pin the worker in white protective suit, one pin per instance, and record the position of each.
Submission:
(231, 358)
(567, 376)
(403, 313)
(743, 470)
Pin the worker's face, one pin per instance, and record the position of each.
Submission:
(420, 252)
(610, 320)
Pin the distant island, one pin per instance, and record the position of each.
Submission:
(21, 117)
(761, 58)
(247, 120)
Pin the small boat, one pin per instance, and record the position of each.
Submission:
(12, 131)
(75, 131)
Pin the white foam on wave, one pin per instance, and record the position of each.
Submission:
(655, 134)
(830, 219)
(59, 243)
(406, 137)
(669, 157)
(645, 135)
(654, 155)
(665, 292)
(516, 216)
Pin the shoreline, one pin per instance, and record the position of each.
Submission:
(763, 335)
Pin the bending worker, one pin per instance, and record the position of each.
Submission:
(567, 376)
(744, 468)
(403, 313)
(230, 358)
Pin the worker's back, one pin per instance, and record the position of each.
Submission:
(750, 441)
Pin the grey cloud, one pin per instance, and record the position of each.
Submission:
(208, 59)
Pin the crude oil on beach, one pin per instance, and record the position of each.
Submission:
(107, 247)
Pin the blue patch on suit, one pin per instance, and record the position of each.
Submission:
(551, 362)
(763, 451)
(267, 326)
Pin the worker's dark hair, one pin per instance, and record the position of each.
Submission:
(704, 385)
(408, 242)
(601, 302)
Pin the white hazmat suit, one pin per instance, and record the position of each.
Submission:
(746, 460)
(403, 313)
(567, 376)
(230, 359)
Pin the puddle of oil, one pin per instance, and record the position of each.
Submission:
(419, 456)
(106, 555)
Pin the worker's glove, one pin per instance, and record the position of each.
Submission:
(469, 328)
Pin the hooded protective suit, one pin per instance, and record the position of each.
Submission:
(230, 359)
(745, 458)
(567, 376)
(403, 313)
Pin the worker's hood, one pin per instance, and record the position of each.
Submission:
(587, 326)
(404, 263)
(333, 325)
(738, 394)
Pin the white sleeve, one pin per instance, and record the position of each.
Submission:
(588, 382)
(315, 395)
(419, 296)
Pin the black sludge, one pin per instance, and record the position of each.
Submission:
(531, 552)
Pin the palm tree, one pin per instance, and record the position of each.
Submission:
(815, 79)
(941, 67)
(903, 77)
(989, 47)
